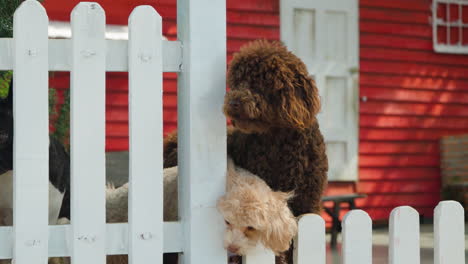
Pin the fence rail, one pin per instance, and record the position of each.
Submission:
(146, 55)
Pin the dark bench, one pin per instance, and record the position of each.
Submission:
(334, 211)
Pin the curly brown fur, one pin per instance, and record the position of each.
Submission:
(272, 104)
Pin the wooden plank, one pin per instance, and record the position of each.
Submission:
(404, 236)
(245, 32)
(430, 83)
(419, 5)
(116, 59)
(392, 41)
(399, 186)
(400, 16)
(31, 140)
(254, 5)
(385, 121)
(401, 160)
(418, 147)
(238, 17)
(357, 238)
(88, 145)
(116, 239)
(449, 233)
(398, 134)
(379, 93)
(393, 200)
(259, 255)
(202, 133)
(378, 174)
(413, 69)
(403, 55)
(413, 109)
(398, 29)
(310, 241)
(145, 214)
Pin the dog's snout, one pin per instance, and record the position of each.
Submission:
(233, 249)
(234, 104)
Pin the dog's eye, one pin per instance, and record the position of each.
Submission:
(250, 228)
(227, 223)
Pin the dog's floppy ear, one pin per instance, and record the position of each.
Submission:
(300, 103)
(282, 226)
(281, 74)
(230, 173)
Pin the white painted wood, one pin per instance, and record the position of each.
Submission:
(145, 134)
(404, 236)
(60, 237)
(309, 245)
(87, 134)
(357, 238)
(116, 55)
(202, 127)
(31, 140)
(324, 34)
(6, 242)
(449, 233)
(259, 255)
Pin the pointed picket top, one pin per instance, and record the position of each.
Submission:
(449, 233)
(309, 245)
(404, 236)
(357, 238)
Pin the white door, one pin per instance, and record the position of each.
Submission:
(324, 34)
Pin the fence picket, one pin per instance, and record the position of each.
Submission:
(146, 135)
(449, 233)
(404, 236)
(87, 134)
(309, 245)
(259, 255)
(357, 238)
(31, 139)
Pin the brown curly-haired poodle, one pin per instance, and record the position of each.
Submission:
(273, 104)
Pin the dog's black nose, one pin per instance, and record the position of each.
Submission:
(234, 104)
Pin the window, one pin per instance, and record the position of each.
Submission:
(450, 26)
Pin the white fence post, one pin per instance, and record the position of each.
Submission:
(357, 238)
(404, 236)
(202, 127)
(449, 233)
(145, 216)
(259, 255)
(87, 134)
(309, 246)
(31, 138)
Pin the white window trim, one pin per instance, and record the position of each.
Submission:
(458, 48)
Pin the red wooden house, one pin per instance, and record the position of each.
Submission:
(393, 77)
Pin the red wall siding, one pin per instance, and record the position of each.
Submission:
(414, 96)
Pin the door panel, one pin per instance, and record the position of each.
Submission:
(324, 34)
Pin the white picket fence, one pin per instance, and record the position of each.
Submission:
(404, 246)
(200, 59)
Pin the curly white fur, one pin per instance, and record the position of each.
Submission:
(254, 213)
